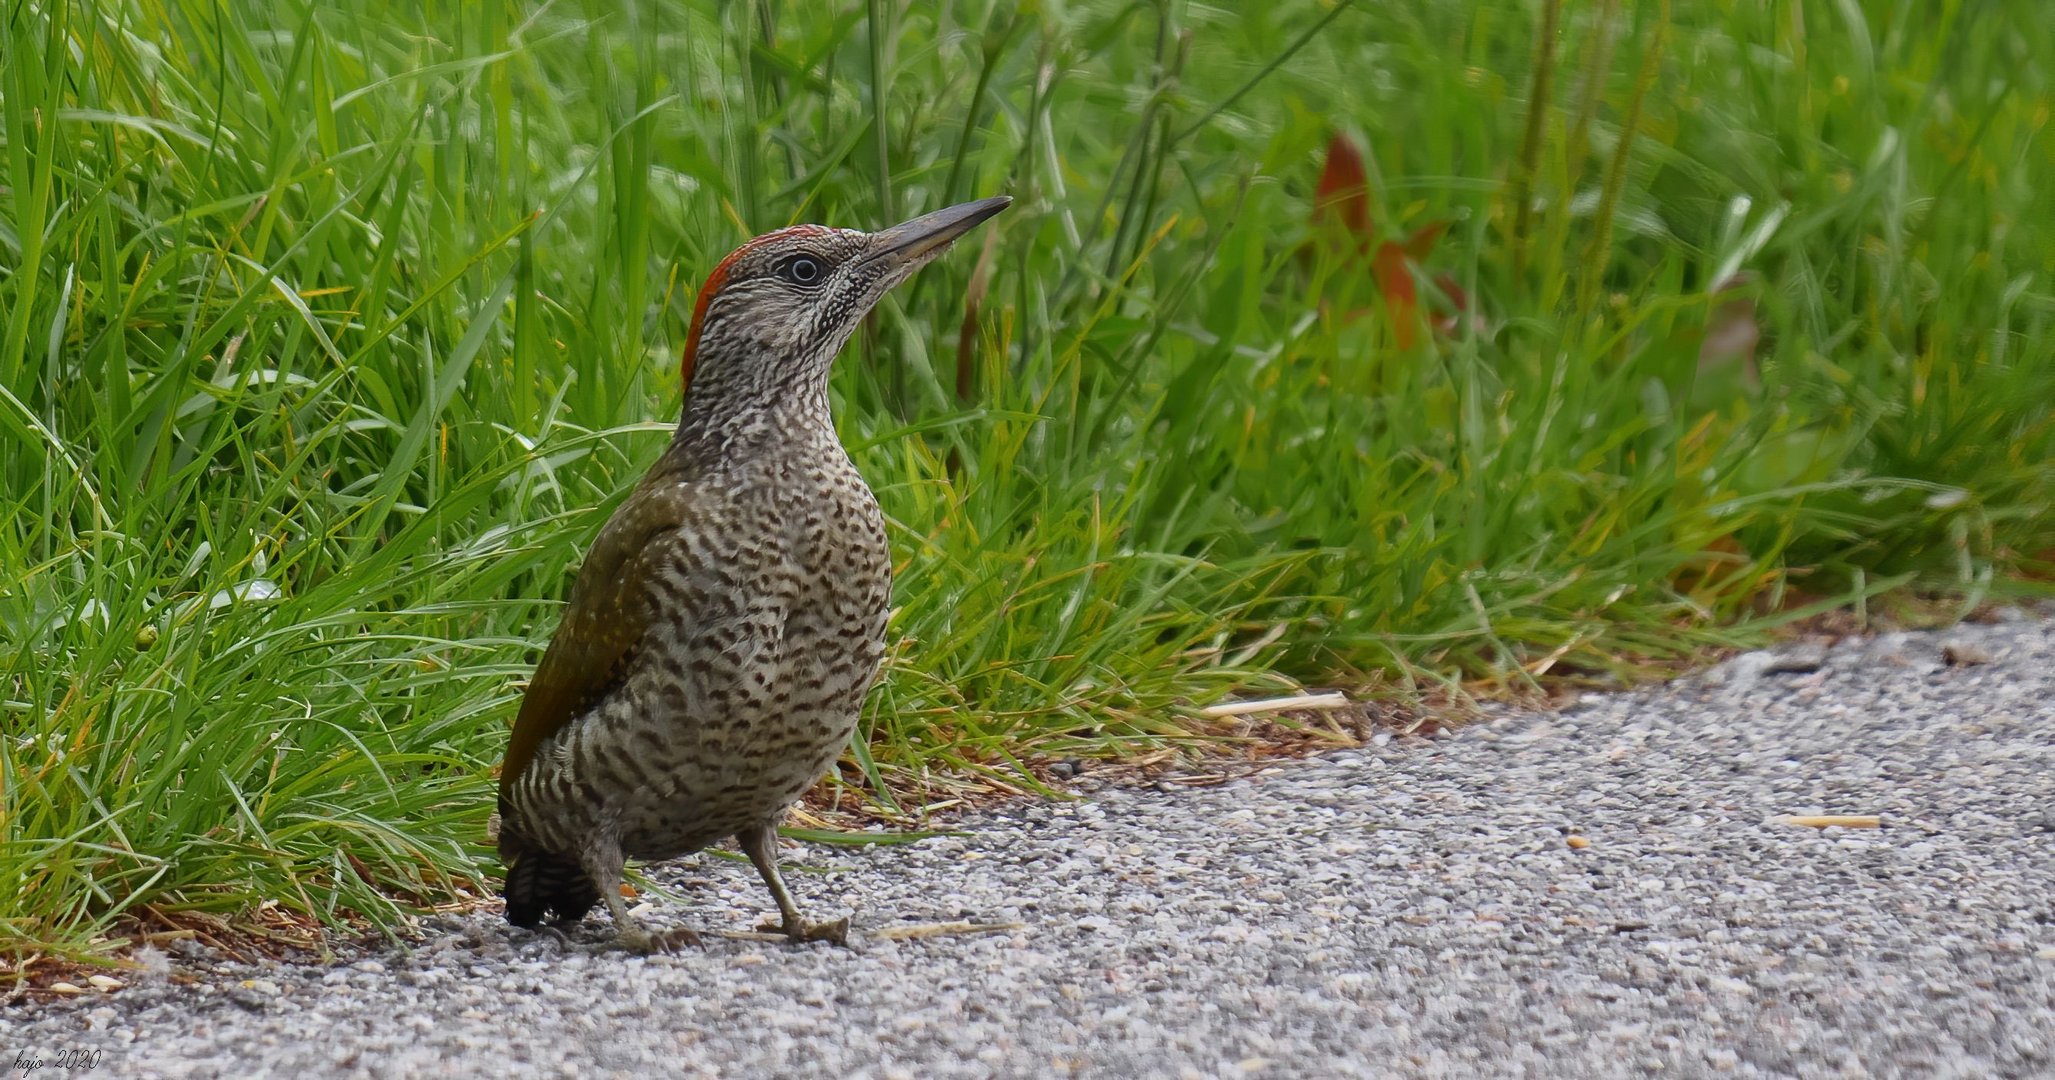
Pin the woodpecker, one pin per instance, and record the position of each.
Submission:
(729, 618)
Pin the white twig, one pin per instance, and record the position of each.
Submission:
(1296, 701)
(888, 933)
(1832, 821)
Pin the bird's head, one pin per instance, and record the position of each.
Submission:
(771, 317)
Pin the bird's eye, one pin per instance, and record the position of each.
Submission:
(802, 270)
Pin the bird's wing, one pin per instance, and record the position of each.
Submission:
(606, 619)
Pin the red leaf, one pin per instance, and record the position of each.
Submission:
(1459, 298)
(1343, 192)
(1421, 243)
(1341, 211)
(1454, 291)
(1401, 298)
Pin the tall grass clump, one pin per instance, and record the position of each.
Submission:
(329, 333)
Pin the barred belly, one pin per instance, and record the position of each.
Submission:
(744, 689)
(663, 778)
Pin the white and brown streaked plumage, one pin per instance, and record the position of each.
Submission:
(731, 614)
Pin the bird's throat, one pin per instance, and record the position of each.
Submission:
(716, 428)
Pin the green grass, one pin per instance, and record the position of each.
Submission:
(329, 333)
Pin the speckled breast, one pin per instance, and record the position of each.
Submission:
(729, 763)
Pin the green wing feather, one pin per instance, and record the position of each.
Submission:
(604, 622)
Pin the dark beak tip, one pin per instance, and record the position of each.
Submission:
(968, 215)
(931, 232)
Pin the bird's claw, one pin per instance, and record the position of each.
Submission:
(550, 930)
(665, 941)
(678, 938)
(834, 932)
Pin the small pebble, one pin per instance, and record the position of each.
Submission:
(1801, 659)
(1964, 654)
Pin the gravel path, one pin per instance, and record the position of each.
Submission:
(1414, 908)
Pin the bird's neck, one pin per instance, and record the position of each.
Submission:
(729, 424)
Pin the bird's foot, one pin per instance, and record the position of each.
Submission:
(834, 932)
(552, 930)
(638, 940)
(678, 937)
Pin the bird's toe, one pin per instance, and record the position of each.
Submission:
(676, 938)
(798, 930)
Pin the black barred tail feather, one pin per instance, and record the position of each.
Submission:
(542, 884)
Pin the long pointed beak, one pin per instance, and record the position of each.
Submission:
(914, 241)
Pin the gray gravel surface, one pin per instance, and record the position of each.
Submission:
(1417, 907)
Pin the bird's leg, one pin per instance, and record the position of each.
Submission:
(760, 843)
(603, 861)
